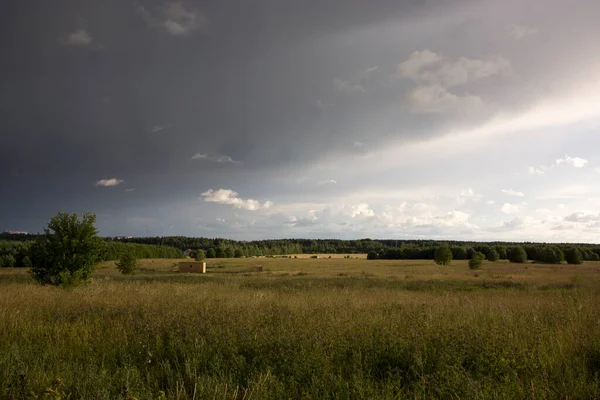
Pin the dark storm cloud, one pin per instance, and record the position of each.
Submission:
(85, 84)
(176, 98)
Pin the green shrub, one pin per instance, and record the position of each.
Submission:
(7, 261)
(239, 254)
(517, 255)
(477, 260)
(68, 252)
(372, 255)
(574, 256)
(211, 253)
(200, 255)
(127, 264)
(443, 255)
(493, 255)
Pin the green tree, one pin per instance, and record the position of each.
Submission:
(573, 256)
(127, 263)
(221, 253)
(443, 255)
(372, 255)
(477, 260)
(493, 255)
(7, 260)
(238, 253)
(458, 253)
(229, 253)
(211, 253)
(68, 252)
(517, 255)
(200, 255)
(501, 252)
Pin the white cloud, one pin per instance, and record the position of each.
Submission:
(358, 144)
(436, 99)
(508, 208)
(519, 32)
(109, 182)
(514, 224)
(361, 209)
(226, 196)
(330, 181)
(490, 202)
(159, 128)
(347, 86)
(447, 73)
(176, 20)
(512, 192)
(416, 62)
(535, 171)
(181, 21)
(78, 38)
(453, 73)
(583, 217)
(577, 162)
(219, 159)
(542, 210)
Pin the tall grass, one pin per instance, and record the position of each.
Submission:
(300, 336)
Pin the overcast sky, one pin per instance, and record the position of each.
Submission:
(319, 119)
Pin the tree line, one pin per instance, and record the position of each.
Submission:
(18, 253)
(541, 253)
(173, 246)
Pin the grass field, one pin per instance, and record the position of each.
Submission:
(305, 328)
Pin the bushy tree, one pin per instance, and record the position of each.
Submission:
(7, 261)
(211, 253)
(229, 253)
(594, 257)
(238, 253)
(573, 256)
(372, 255)
(200, 255)
(517, 255)
(221, 253)
(502, 252)
(68, 251)
(547, 254)
(492, 255)
(459, 252)
(127, 264)
(443, 255)
(477, 260)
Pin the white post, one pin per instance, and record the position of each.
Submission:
(203, 267)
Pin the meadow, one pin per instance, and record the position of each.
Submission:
(305, 328)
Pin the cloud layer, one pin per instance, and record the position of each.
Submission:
(470, 120)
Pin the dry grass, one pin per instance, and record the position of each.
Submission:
(306, 328)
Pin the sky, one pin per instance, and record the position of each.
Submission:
(462, 119)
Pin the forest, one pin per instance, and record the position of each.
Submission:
(14, 248)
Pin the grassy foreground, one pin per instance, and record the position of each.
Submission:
(305, 328)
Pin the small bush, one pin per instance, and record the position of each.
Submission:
(372, 255)
(477, 260)
(8, 261)
(574, 256)
(443, 255)
(127, 264)
(200, 255)
(517, 255)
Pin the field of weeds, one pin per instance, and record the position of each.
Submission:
(305, 328)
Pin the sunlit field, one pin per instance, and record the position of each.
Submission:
(305, 328)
